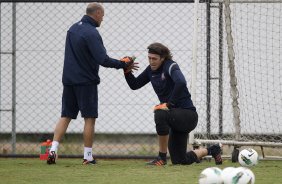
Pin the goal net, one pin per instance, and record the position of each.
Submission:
(244, 73)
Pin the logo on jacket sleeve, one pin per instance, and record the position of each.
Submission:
(163, 76)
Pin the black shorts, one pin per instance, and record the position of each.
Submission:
(183, 120)
(80, 98)
(181, 123)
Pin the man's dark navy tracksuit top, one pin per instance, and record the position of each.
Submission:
(84, 52)
(168, 83)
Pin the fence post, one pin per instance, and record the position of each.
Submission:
(14, 78)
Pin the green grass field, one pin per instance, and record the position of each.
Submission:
(70, 171)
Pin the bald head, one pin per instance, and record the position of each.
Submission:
(96, 12)
(92, 8)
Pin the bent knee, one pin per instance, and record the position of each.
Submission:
(161, 120)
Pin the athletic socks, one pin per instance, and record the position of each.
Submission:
(214, 149)
(87, 151)
(88, 154)
(163, 156)
(54, 147)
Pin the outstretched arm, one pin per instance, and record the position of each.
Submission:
(137, 82)
(99, 53)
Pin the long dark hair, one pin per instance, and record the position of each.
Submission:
(160, 49)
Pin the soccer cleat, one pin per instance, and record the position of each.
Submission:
(216, 153)
(87, 162)
(52, 157)
(158, 162)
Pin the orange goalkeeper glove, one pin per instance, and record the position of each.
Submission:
(129, 63)
(163, 106)
(128, 60)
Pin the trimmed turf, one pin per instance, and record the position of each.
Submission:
(70, 171)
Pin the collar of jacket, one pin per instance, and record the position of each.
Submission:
(89, 20)
(159, 70)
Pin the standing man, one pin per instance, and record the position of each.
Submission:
(175, 116)
(84, 52)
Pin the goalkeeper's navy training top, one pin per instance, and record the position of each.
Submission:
(168, 83)
(84, 52)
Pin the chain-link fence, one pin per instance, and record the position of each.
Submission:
(32, 39)
(32, 54)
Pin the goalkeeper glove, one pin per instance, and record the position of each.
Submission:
(129, 62)
(163, 106)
